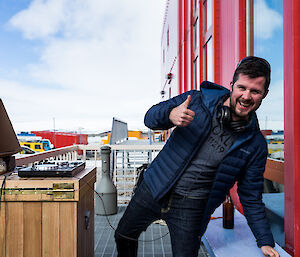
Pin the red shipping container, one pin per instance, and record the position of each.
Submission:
(62, 139)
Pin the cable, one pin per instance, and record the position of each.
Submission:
(113, 228)
(126, 237)
(3, 186)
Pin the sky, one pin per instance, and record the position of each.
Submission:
(76, 64)
(268, 43)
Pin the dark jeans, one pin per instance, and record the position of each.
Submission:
(182, 215)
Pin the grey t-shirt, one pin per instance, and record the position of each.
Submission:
(198, 177)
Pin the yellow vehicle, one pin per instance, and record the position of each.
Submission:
(36, 146)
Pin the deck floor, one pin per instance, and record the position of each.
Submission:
(105, 245)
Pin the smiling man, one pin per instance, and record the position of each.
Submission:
(216, 142)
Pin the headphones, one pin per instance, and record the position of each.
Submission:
(224, 116)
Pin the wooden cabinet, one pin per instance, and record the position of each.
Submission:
(48, 217)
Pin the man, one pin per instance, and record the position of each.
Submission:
(216, 142)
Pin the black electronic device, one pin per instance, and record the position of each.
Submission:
(53, 169)
(224, 115)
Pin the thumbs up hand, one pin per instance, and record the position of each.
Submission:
(182, 116)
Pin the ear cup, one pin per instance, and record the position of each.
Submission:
(224, 116)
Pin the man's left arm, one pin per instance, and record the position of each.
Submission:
(250, 189)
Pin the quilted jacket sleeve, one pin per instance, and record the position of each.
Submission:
(250, 189)
(157, 117)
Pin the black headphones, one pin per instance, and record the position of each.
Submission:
(224, 116)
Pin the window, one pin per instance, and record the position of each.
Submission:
(195, 4)
(196, 46)
(196, 34)
(209, 60)
(168, 37)
(207, 15)
(207, 50)
(196, 73)
(208, 72)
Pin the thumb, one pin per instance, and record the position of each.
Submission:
(187, 101)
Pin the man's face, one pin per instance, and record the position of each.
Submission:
(246, 96)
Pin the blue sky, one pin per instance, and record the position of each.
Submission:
(15, 52)
(79, 62)
(268, 43)
(83, 62)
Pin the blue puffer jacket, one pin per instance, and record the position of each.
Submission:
(244, 162)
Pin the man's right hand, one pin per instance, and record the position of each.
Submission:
(182, 116)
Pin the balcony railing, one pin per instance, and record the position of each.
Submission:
(68, 153)
(125, 160)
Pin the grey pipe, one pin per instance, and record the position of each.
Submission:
(107, 204)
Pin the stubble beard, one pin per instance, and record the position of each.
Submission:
(232, 107)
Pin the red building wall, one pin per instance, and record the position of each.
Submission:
(291, 37)
(231, 43)
(169, 51)
(228, 37)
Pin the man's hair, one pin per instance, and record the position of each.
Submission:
(253, 67)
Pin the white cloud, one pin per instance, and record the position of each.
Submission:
(41, 19)
(31, 108)
(86, 18)
(266, 20)
(102, 58)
